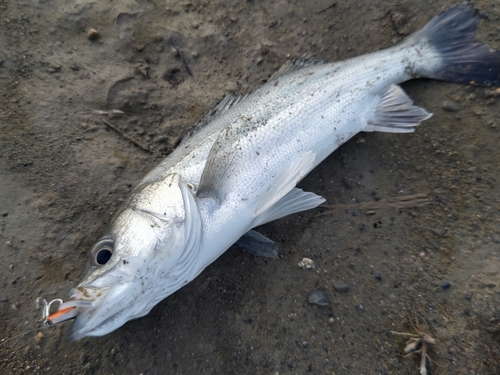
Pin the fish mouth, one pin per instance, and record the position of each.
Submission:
(83, 326)
(104, 311)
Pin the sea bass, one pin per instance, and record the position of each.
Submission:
(250, 157)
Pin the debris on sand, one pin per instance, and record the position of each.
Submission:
(306, 264)
(317, 297)
(419, 343)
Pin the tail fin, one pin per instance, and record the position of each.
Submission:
(452, 34)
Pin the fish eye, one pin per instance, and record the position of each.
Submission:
(103, 256)
(101, 252)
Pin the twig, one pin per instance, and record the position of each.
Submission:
(127, 137)
(176, 46)
(404, 201)
(419, 343)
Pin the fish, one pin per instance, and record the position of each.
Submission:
(240, 169)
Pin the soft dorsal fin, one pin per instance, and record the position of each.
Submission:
(395, 113)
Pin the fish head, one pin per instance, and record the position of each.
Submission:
(148, 253)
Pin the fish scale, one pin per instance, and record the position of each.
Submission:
(333, 104)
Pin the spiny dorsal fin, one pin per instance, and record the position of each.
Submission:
(222, 107)
(295, 64)
(395, 113)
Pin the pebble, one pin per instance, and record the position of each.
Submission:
(377, 276)
(437, 232)
(340, 286)
(83, 357)
(451, 106)
(445, 285)
(92, 34)
(361, 226)
(467, 296)
(306, 264)
(484, 15)
(38, 338)
(317, 297)
(347, 183)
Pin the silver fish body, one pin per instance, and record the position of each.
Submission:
(240, 171)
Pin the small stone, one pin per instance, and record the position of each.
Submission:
(484, 15)
(340, 286)
(306, 264)
(467, 296)
(38, 338)
(377, 276)
(83, 357)
(92, 34)
(437, 232)
(317, 297)
(53, 68)
(451, 106)
(445, 285)
(347, 183)
(5, 214)
(361, 226)
(27, 349)
(264, 50)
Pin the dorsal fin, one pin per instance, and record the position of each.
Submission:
(229, 101)
(295, 64)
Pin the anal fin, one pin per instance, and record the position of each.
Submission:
(395, 113)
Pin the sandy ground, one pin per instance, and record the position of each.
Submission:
(64, 172)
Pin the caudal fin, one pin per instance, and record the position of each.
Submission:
(452, 34)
